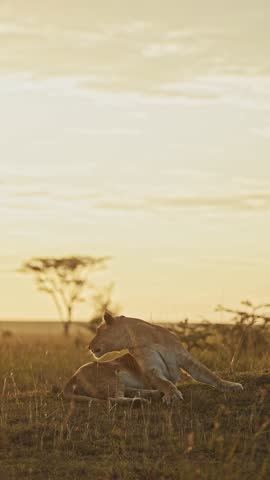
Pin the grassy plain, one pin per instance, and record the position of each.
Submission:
(209, 435)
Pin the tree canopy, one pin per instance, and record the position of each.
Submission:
(66, 279)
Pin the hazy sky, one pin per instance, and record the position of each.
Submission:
(139, 130)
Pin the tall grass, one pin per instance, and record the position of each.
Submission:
(209, 435)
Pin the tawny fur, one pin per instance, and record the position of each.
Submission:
(121, 381)
(158, 352)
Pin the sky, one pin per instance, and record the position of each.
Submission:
(139, 130)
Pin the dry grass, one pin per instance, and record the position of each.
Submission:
(209, 435)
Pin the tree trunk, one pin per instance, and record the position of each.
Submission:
(67, 323)
(66, 326)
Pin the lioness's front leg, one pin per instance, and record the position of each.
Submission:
(156, 371)
(170, 391)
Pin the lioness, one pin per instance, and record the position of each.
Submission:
(121, 381)
(157, 351)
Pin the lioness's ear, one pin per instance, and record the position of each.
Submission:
(108, 318)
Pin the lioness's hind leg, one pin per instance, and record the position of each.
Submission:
(113, 401)
(201, 373)
(69, 393)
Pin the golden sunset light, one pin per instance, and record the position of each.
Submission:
(138, 130)
(135, 239)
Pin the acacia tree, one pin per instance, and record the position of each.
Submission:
(65, 279)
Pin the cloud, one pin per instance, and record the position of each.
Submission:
(211, 258)
(119, 205)
(256, 184)
(47, 192)
(7, 29)
(242, 91)
(80, 37)
(131, 28)
(230, 202)
(195, 33)
(107, 131)
(189, 172)
(162, 84)
(239, 91)
(263, 132)
(168, 49)
(235, 203)
(136, 51)
(33, 193)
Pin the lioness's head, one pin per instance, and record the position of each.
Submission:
(111, 336)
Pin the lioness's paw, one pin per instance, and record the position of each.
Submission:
(231, 386)
(238, 387)
(138, 401)
(172, 396)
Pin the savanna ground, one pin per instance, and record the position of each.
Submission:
(209, 435)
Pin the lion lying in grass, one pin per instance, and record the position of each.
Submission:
(158, 353)
(121, 381)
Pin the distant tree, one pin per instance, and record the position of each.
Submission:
(250, 315)
(65, 279)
